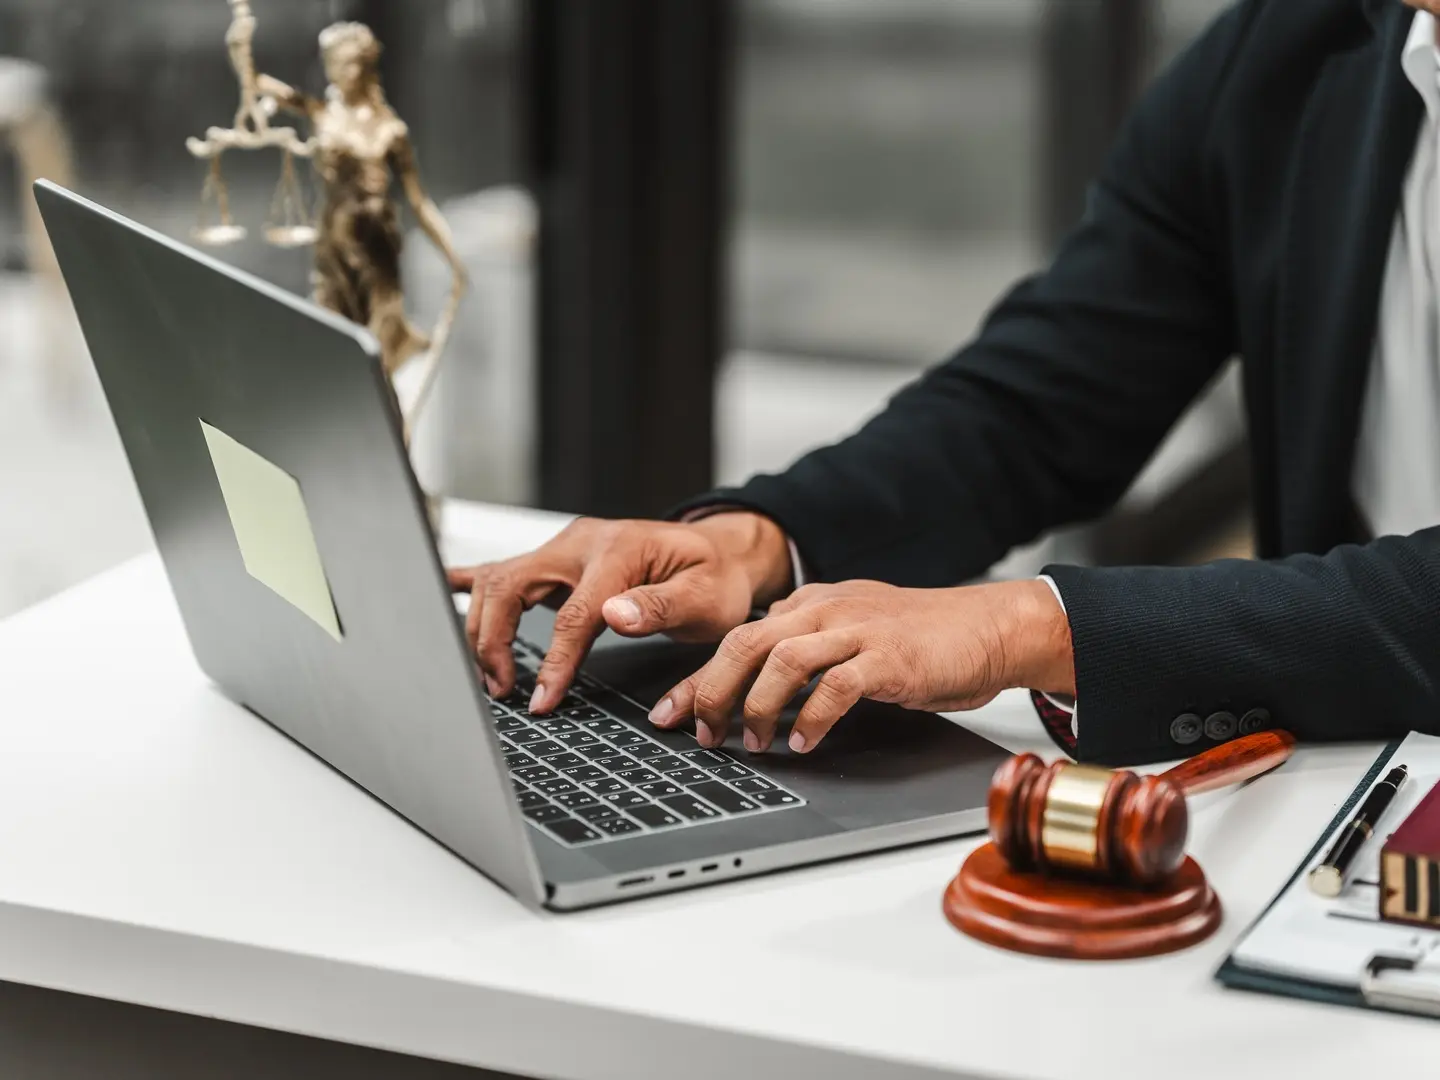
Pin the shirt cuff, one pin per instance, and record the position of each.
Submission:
(1062, 701)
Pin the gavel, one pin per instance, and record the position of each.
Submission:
(1114, 825)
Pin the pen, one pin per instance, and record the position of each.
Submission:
(1328, 879)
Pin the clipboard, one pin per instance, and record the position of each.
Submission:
(1339, 952)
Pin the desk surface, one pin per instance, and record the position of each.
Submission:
(158, 845)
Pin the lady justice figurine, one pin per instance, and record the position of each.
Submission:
(359, 147)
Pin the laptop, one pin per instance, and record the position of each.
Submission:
(268, 453)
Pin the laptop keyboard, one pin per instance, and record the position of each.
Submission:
(585, 776)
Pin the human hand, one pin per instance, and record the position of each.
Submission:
(939, 650)
(692, 581)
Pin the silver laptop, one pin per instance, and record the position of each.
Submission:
(268, 453)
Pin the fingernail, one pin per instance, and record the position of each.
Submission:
(625, 610)
(537, 697)
(797, 742)
(492, 686)
(702, 733)
(752, 741)
(661, 714)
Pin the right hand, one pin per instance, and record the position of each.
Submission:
(695, 582)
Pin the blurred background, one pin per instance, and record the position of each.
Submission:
(760, 217)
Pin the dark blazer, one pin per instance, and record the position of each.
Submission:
(1247, 210)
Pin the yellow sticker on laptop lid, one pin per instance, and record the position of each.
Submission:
(272, 528)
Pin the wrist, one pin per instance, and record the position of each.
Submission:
(1038, 639)
(758, 546)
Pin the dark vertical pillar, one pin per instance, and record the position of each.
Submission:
(625, 146)
(1095, 59)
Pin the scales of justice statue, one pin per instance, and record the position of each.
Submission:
(358, 147)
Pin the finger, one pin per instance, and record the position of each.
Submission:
(834, 695)
(500, 598)
(461, 578)
(790, 667)
(799, 598)
(675, 707)
(577, 624)
(722, 683)
(652, 609)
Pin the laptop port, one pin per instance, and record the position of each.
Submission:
(632, 882)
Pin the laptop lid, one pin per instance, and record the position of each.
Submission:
(265, 443)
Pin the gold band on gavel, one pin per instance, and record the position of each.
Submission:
(1069, 827)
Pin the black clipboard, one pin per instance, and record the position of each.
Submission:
(1369, 994)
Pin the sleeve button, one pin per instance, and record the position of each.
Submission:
(1255, 720)
(1186, 728)
(1221, 726)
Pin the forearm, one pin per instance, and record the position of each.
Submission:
(1340, 646)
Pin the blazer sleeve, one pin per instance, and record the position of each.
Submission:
(1172, 660)
(1048, 414)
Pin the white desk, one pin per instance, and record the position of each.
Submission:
(160, 846)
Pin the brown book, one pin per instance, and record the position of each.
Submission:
(1410, 866)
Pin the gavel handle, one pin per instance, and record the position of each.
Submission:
(1233, 762)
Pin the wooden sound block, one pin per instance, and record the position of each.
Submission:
(1076, 919)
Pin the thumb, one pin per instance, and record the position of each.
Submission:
(651, 609)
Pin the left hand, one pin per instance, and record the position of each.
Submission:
(939, 650)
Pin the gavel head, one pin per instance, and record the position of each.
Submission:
(1079, 819)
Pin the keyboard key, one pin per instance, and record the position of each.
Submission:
(598, 751)
(518, 786)
(707, 759)
(554, 787)
(545, 748)
(626, 799)
(620, 763)
(753, 784)
(647, 750)
(637, 777)
(688, 776)
(524, 685)
(605, 786)
(774, 797)
(531, 799)
(727, 799)
(565, 761)
(615, 825)
(595, 810)
(572, 831)
(575, 737)
(731, 772)
(668, 763)
(627, 738)
(554, 724)
(657, 817)
(688, 806)
(568, 702)
(589, 712)
(661, 789)
(545, 813)
(531, 773)
(525, 736)
(573, 800)
(506, 722)
(518, 760)
(585, 772)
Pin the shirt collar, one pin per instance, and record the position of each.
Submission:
(1421, 61)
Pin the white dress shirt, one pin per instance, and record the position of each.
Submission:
(1397, 458)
